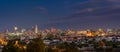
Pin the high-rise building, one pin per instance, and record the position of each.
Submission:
(15, 29)
(23, 30)
(7, 31)
(36, 29)
(33, 28)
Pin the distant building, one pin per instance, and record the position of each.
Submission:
(100, 32)
(23, 30)
(7, 31)
(15, 29)
(36, 29)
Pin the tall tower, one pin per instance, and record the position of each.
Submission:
(7, 31)
(23, 30)
(36, 29)
(15, 29)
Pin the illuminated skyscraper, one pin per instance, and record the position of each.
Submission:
(36, 29)
(15, 29)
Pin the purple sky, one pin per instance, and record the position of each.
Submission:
(63, 14)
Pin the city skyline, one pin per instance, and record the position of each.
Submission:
(62, 14)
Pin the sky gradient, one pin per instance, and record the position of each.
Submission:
(63, 14)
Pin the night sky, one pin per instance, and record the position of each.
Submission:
(62, 14)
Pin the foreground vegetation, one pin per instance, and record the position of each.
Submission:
(37, 45)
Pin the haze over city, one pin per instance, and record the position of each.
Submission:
(61, 14)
